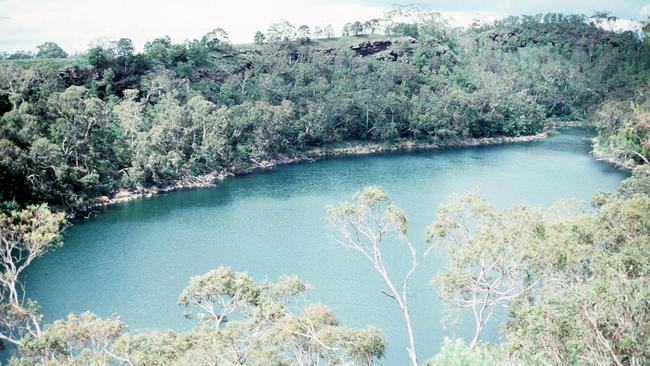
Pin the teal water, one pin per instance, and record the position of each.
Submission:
(135, 258)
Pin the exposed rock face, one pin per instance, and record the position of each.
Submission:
(76, 76)
(370, 47)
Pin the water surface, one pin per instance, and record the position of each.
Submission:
(135, 258)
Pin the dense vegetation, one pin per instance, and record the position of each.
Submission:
(78, 128)
(575, 281)
(624, 129)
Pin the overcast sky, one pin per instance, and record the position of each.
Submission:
(74, 24)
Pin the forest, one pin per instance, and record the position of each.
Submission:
(74, 129)
(575, 280)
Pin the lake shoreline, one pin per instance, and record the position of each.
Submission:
(211, 179)
(610, 158)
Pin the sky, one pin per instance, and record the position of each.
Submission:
(74, 24)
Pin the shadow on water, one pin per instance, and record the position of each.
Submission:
(135, 258)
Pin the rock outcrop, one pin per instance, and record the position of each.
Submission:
(370, 47)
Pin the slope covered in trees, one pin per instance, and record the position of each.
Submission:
(74, 129)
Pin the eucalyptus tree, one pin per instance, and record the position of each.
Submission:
(271, 330)
(81, 127)
(25, 235)
(364, 226)
(215, 37)
(455, 352)
(281, 31)
(50, 50)
(595, 311)
(240, 322)
(318, 32)
(259, 38)
(15, 82)
(624, 129)
(328, 31)
(207, 135)
(130, 116)
(356, 28)
(303, 33)
(75, 340)
(220, 293)
(494, 256)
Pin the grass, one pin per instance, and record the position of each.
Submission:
(57, 62)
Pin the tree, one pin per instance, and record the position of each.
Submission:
(267, 129)
(130, 116)
(100, 56)
(77, 115)
(303, 33)
(50, 50)
(318, 32)
(328, 31)
(270, 332)
(159, 153)
(208, 130)
(455, 352)
(25, 235)
(364, 226)
(215, 38)
(15, 82)
(356, 28)
(281, 31)
(595, 309)
(220, 293)
(624, 131)
(161, 82)
(371, 25)
(492, 262)
(347, 29)
(124, 48)
(405, 29)
(259, 38)
(85, 338)
(268, 326)
(20, 55)
(162, 53)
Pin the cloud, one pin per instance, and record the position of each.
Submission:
(74, 23)
(619, 8)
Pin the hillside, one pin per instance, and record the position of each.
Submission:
(78, 128)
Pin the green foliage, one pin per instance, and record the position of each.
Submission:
(406, 29)
(50, 50)
(456, 353)
(371, 206)
(124, 120)
(25, 235)
(82, 338)
(594, 310)
(624, 129)
(265, 329)
(259, 38)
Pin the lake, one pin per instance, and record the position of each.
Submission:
(135, 258)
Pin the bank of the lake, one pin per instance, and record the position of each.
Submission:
(311, 155)
(134, 258)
